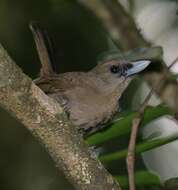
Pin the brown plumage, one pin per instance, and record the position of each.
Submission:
(90, 98)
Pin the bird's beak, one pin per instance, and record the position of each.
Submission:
(137, 66)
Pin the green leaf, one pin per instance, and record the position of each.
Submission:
(173, 77)
(142, 147)
(123, 126)
(136, 54)
(142, 178)
(144, 53)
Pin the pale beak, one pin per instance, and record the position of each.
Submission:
(137, 66)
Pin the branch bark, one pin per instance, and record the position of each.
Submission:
(46, 120)
(118, 23)
(123, 29)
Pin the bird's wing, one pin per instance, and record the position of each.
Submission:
(62, 82)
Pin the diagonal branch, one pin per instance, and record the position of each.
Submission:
(118, 22)
(46, 120)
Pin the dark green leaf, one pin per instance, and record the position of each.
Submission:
(123, 126)
(136, 54)
(142, 147)
(142, 178)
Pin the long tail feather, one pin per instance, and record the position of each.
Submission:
(44, 48)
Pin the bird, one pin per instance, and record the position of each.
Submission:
(90, 98)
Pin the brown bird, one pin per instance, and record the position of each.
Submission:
(90, 98)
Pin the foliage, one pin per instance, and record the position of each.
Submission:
(120, 128)
(123, 125)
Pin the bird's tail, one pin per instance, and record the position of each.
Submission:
(45, 50)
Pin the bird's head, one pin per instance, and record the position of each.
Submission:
(118, 74)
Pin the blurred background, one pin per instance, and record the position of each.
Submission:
(79, 38)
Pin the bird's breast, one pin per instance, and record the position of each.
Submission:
(89, 107)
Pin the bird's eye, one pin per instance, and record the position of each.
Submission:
(114, 69)
(121, 69)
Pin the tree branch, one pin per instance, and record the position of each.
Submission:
(132, 143)
(118, 22)
(122, 28)
(46, 120)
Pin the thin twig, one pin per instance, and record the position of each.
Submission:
(131, 148)
(135, 126)
(173, 63)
